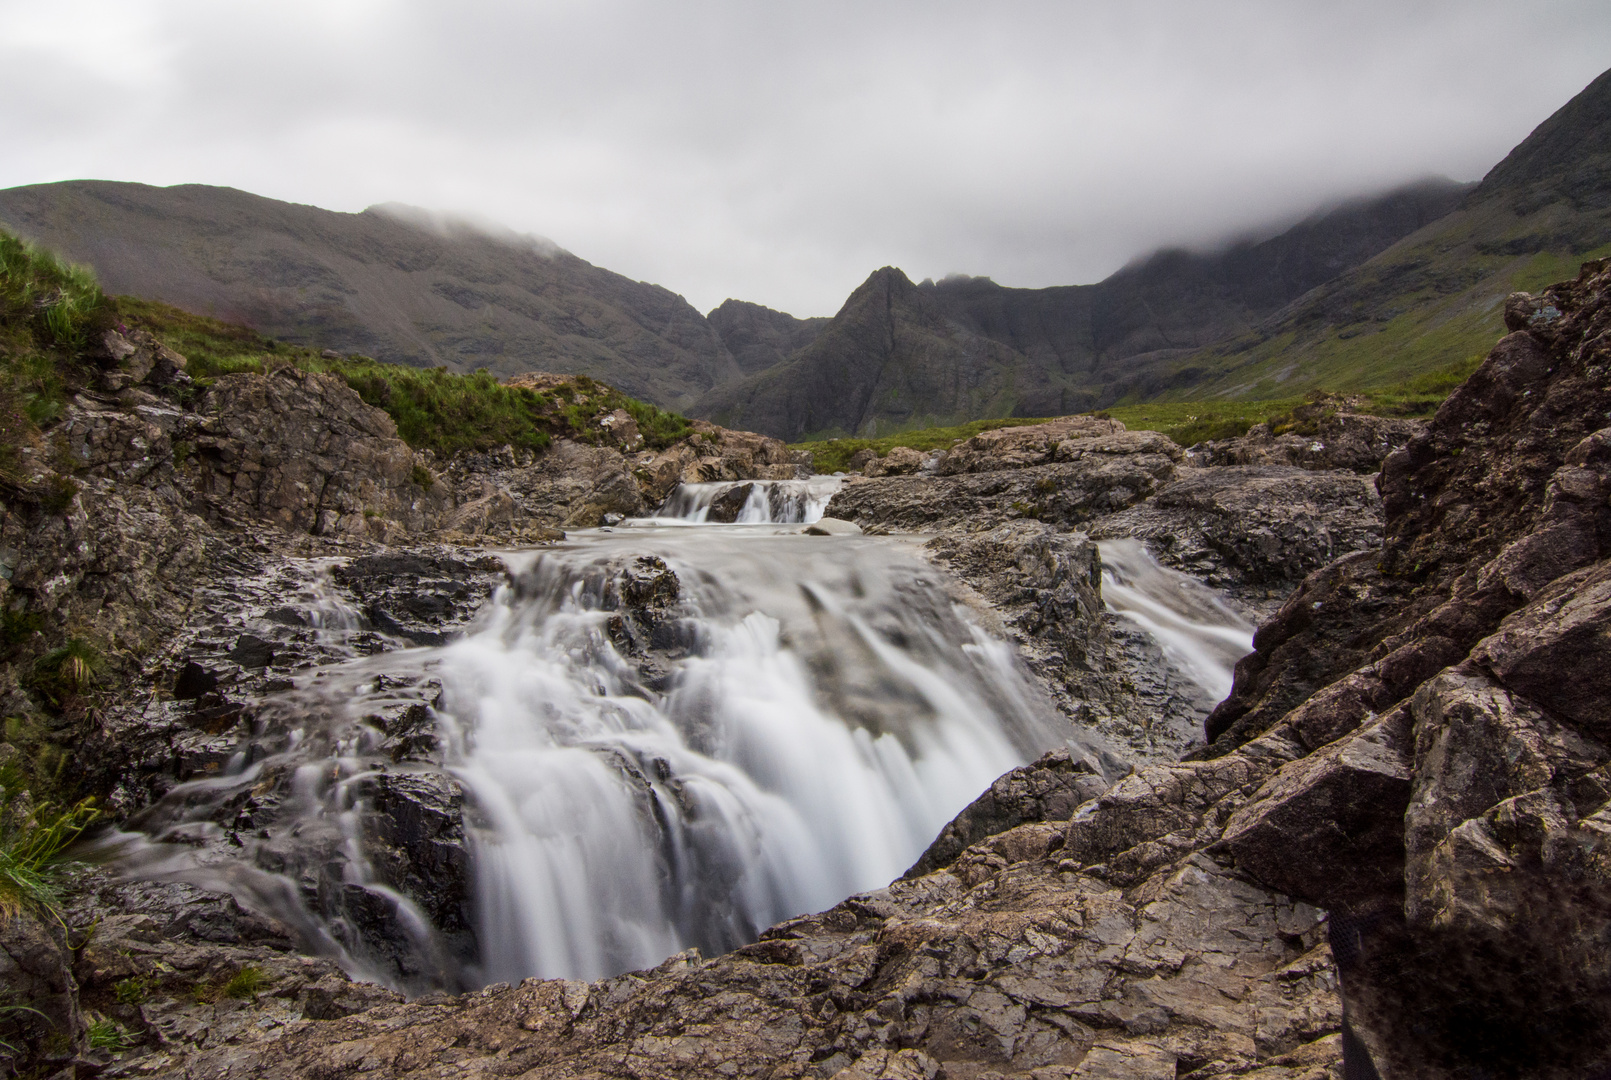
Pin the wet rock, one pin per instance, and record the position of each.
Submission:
(414, 836)
(727, 505)
(1041, 588)
(711, 454)
(423, 598)
(194, 681)
(1253, 532)
(828, 526)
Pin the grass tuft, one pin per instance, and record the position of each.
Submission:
(31, 847)
(245, 983)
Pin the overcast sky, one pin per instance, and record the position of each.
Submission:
(779, 152)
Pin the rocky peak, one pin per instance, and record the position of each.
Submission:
(1567, 157)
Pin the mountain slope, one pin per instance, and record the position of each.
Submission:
(1435, 297)
(889, 359)
(388, 282)
(759, 337)
(1051, 351)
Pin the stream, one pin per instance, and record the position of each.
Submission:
(654, 737)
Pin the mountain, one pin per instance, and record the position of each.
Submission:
(891, 358)
(759, 337)
(1436, 297)
(1047, 352)
(390, 282)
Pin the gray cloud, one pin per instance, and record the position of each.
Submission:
(780, 152)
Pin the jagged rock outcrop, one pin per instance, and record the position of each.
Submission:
(1040, 587)
(302, 451)
(1252, 532)
(1063, 473)
(1464, 725)
(714, 453)
(1049, 789)
(1320, 434)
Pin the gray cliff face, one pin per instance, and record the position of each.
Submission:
(759, 337)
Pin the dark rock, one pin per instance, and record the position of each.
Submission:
(414, 836)
(1329, 828)
(727, 506)
(1063, 493)
(1320, 434)
(251, 651)
(422, 598)
(194, 681)
(1253, 532)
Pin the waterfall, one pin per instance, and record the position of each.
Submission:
(1199, 634)
(664, 737)
(751, 502)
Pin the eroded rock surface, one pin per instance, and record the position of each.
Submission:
(1322, 434)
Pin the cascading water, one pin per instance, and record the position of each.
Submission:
(664, 737)
(751, 502)
(830, 714)
(1199, 634)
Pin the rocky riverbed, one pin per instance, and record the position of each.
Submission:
(1387, 844)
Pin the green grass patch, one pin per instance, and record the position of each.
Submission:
(833, 455)
(434, 409)
(245, 984)
(108, 1035)
(1190, 422)
(49, 310)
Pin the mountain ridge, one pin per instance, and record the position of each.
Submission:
(375, 282)
(1064, 342)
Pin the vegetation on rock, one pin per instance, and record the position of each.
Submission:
(48, 310)
(435, 409)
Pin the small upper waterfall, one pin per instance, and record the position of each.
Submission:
(752, 502)
(1198, 633)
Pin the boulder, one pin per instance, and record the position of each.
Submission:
(1327, 437)
(1036, 444)
(1064, 493)
(829, 526)
(1329, 827)
(900, 461)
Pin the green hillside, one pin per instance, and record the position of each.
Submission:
(1436, 297)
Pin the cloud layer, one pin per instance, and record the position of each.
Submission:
(779, 152)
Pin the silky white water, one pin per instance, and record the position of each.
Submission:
(645, 766)
(831, 713)
(765, 501)
(1199, 634)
